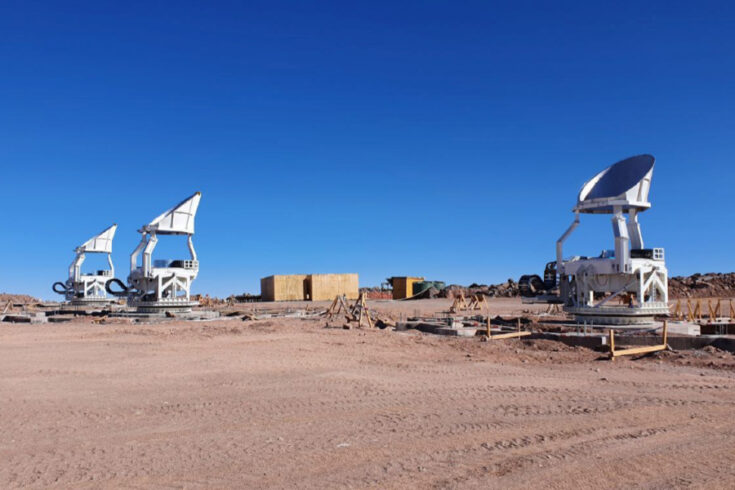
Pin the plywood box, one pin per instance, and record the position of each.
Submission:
(314, 287)
(403, 286)
(283, 287)
(327, 286)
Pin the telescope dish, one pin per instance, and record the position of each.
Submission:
(178, 220)
(625, 184)
(100, 243)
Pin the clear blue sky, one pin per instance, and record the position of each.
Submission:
(443, 139)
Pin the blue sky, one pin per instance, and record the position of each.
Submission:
(443, 139)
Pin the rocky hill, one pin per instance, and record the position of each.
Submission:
(712, 285)
(17, 299)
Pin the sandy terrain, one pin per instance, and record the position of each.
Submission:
(289, 403)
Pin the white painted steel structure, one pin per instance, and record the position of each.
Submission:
(627, 285)
(89, 288)
(164, 284)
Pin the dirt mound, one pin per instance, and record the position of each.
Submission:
(710, 285)
(376, 293)
(508, 289)
(16, 299)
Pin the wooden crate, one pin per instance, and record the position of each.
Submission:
(321, 287)
(283, 287)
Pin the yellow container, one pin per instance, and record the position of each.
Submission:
(403, 286)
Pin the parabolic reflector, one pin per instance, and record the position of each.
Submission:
(624, 184)
(178, 220)
(101, 242)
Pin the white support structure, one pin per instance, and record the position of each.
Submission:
(627, 285)
(89, 288)
(164, 284)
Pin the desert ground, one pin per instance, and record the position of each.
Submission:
(289, 403)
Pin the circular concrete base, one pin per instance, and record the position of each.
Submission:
(615, 315)
(92, 302)
(163, 306)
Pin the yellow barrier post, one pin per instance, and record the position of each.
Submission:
(714, 313)
(694, 312)
(612, 343)
(677, 311)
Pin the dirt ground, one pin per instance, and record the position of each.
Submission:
(286, 403)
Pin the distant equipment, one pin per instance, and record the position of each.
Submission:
(162, 285)
(89, 289)
(624, 286)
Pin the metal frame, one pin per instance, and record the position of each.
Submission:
(164, 285)
(590, 286)
(89, 289)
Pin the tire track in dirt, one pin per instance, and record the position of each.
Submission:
(304, 406)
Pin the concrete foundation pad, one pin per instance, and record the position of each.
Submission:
(189, 315)
(456, 332)
(294, 314)
(35, 317)
(718, 328)
(427, 327)
(98, 303)
(600, 342)
(439, 328)
(680, 340)
(593, 341)
(682, 328)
